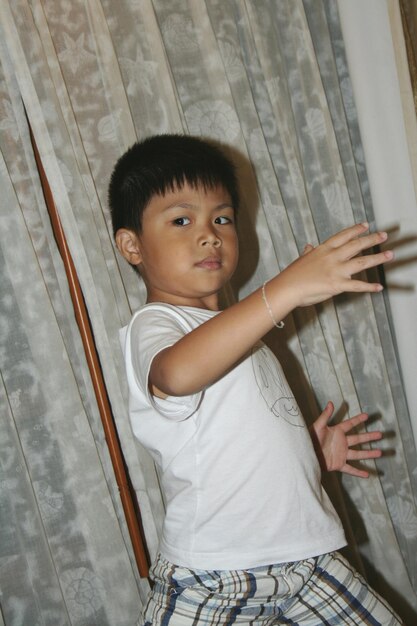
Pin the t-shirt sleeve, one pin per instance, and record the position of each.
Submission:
(153, 329)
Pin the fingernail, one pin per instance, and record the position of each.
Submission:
(365, 224)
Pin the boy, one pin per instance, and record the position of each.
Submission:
(250, 536)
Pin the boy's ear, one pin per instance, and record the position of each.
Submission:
(127, 243)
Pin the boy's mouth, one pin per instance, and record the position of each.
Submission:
(210, 263)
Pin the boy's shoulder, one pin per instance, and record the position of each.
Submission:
(163, 310)
(160, 314)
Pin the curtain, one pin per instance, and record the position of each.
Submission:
(269, 79)
(376, 52)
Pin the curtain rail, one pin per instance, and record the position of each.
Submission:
(96, 373)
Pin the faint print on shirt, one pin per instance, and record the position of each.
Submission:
(273, 386)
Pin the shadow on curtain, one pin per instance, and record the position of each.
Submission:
(270, 80)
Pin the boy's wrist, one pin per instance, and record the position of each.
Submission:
(282, 296)
(279, 324)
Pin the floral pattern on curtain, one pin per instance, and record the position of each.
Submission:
(269, 79)
(63, 544)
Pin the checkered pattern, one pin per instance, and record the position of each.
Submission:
(323, 590)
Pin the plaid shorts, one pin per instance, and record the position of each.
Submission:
(322, 590)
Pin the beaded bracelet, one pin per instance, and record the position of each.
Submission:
(271, 315)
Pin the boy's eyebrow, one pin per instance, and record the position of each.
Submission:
(187, 205)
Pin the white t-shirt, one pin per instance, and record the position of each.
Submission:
(238, 469)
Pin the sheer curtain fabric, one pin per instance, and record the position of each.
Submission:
(269, 79)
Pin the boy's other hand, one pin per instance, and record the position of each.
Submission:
(334, 445)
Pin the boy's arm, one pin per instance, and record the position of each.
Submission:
(206, 353)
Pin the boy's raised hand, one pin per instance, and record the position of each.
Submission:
(333, 444)
(326, 270)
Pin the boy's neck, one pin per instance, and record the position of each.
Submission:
(209, 303)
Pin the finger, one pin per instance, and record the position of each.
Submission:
(347, 234)
(354, 471)
(358, 264)
(363, 455)
(325, 415)
(354, 421)
(360, 286)
(360, 439)
(355, 246)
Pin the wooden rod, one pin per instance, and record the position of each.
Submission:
(96, 375)
(408, 13)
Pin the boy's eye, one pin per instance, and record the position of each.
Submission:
(182, 221)
(223, 220)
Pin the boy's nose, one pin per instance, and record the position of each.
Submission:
(212, 241)
(211, 238)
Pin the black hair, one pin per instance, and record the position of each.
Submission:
(162, 163)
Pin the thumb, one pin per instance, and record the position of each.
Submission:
(326, 414)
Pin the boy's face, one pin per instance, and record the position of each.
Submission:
(187, 249)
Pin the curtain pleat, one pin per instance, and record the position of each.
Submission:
(270, 80)
(64, 547)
